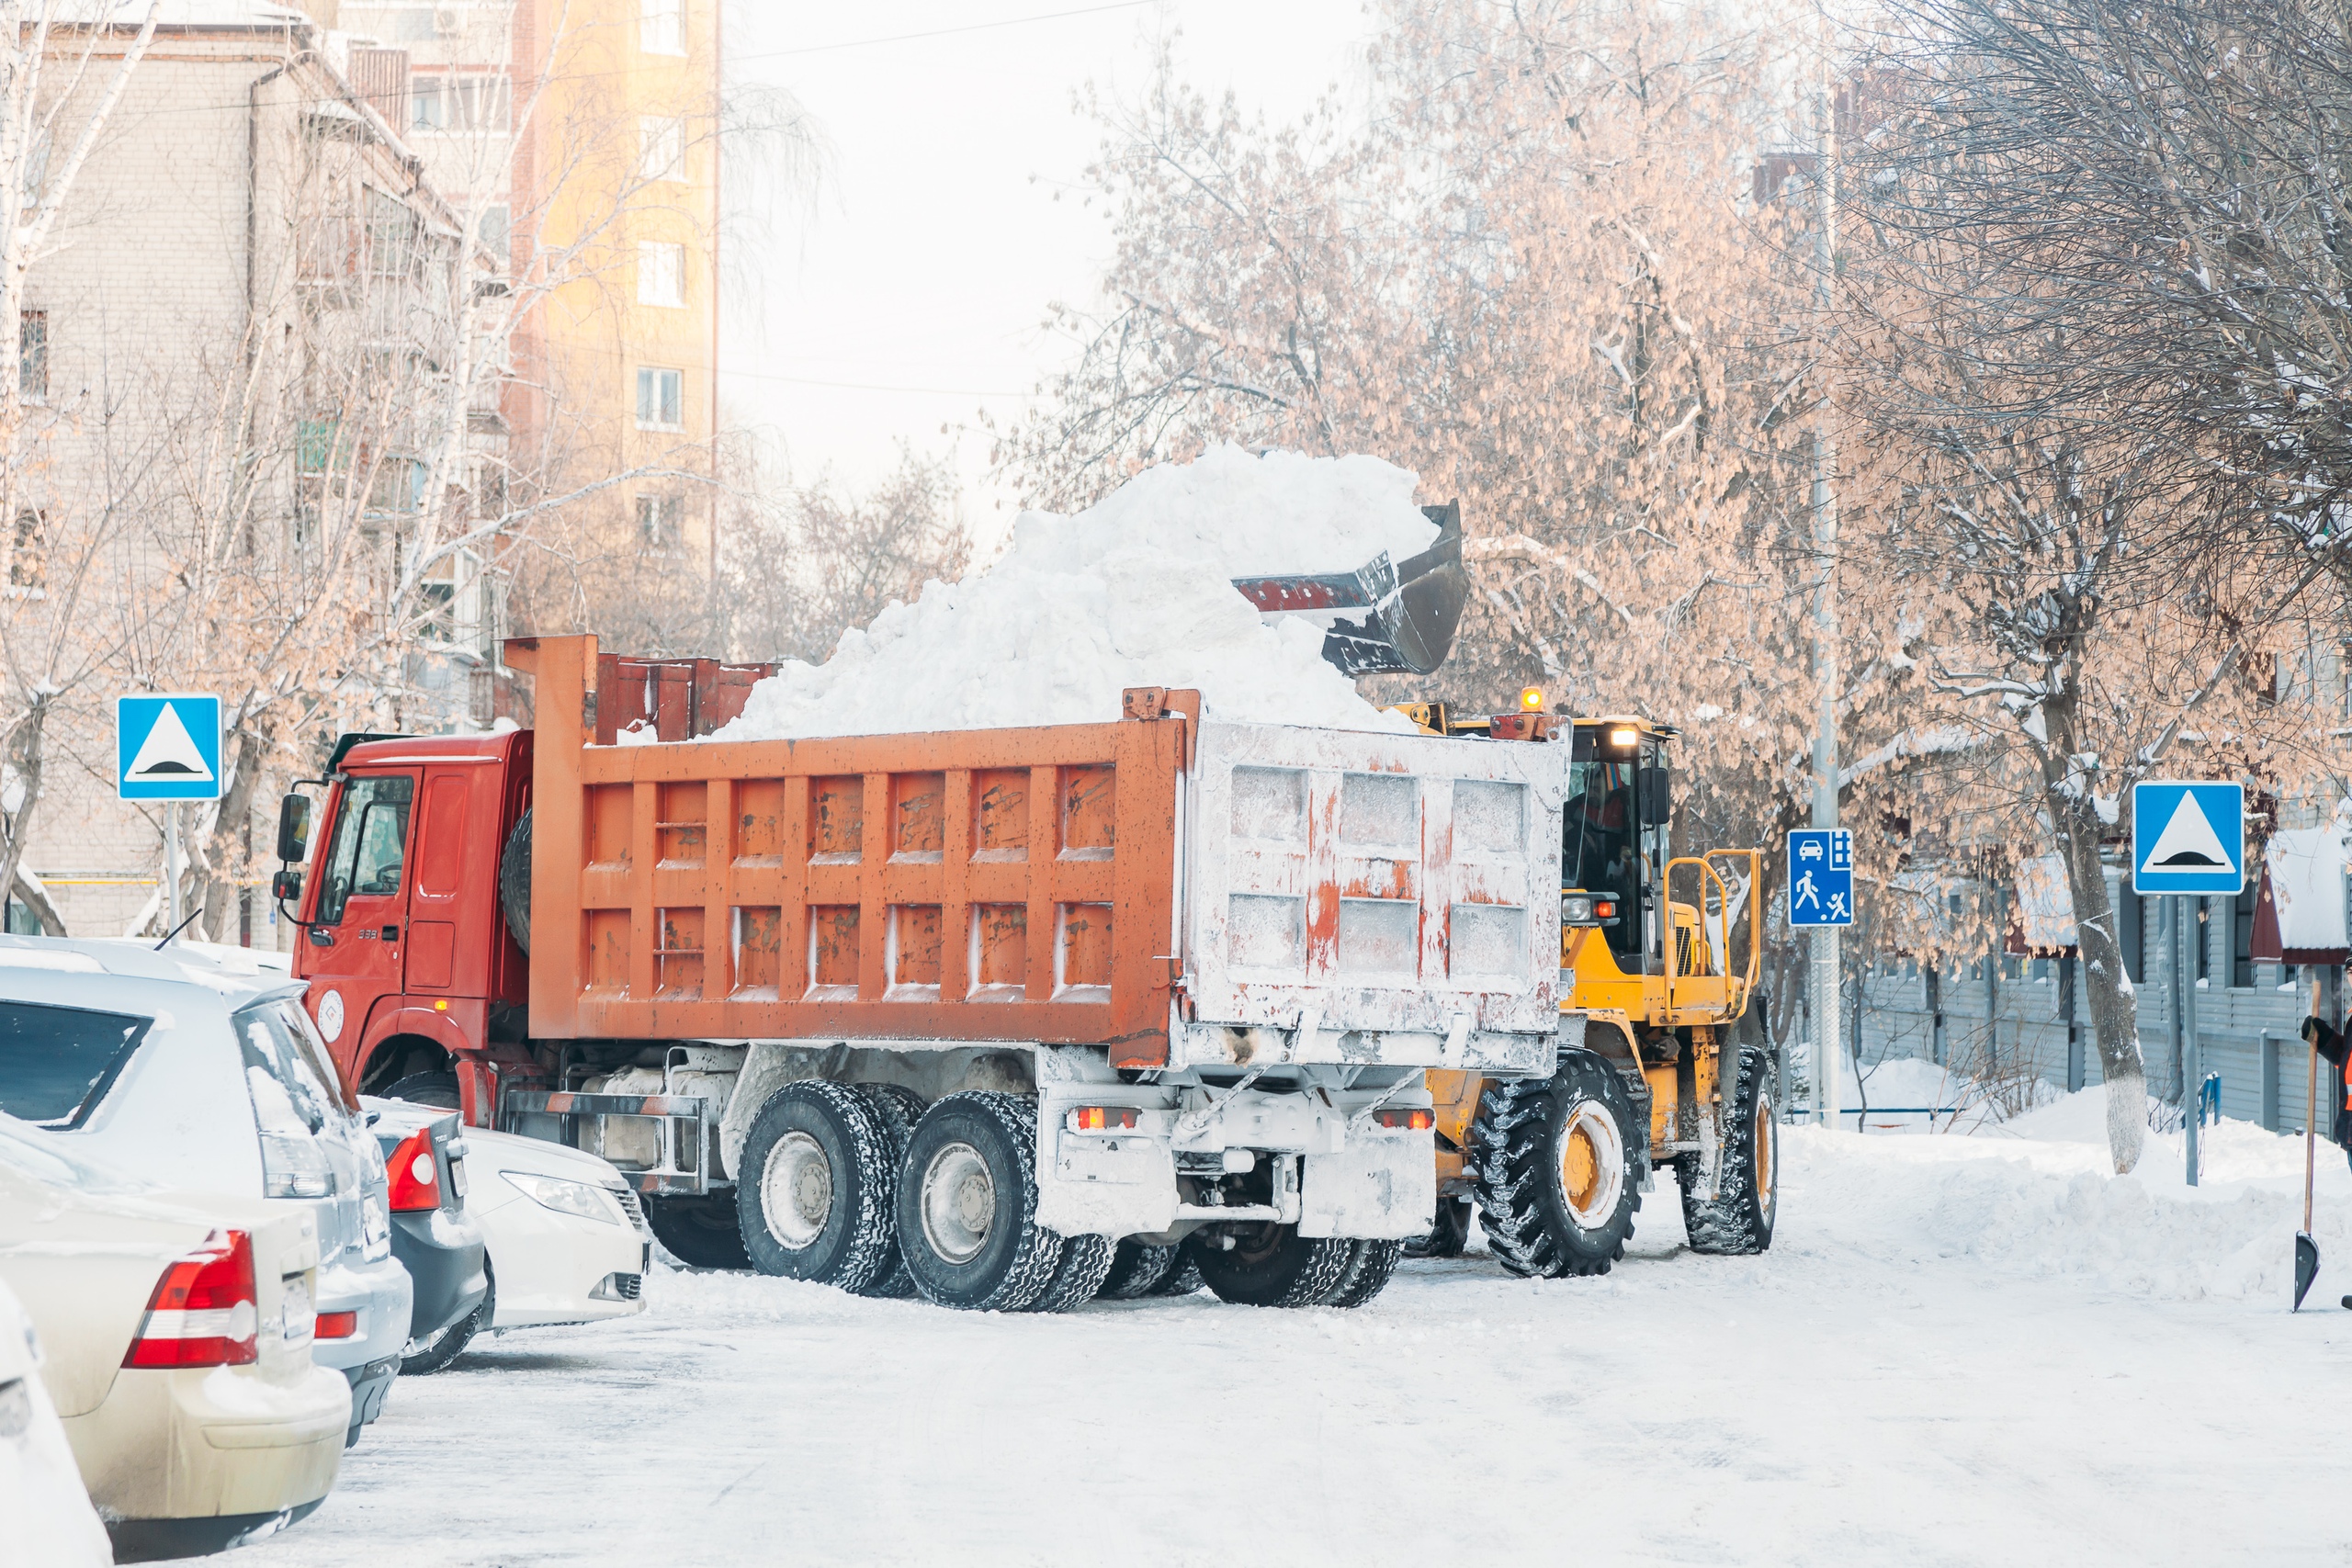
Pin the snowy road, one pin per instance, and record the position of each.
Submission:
(1960, 1350)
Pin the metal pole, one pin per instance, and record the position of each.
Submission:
(172, 866)
(1828, 1036)
(2192, 1082)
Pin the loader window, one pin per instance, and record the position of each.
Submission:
(370, 836)
(1600, 848)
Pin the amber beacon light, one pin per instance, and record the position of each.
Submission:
(1531, 700)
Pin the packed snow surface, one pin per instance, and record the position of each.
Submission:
(1135, 591)
(1961, 1348)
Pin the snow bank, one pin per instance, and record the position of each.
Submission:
(1136, 591)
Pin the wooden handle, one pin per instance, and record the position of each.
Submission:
(2311, 1115)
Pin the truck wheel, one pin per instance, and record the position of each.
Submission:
(701, 1233)
(1272, 1265)
(1183, 1279)
(1367, 1273)
(438, 1090)
(901, 1108)
(1557, 1161)
(1449, 1236)
(814, 1189)
(1748, 1195)
(1137, 1269)
(1086, 1262)
(967, 1204)
(514, 882)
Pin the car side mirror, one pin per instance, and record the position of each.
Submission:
(294, 828)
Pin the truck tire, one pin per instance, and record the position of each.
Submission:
(701, 1233)
(901, 1108)
(1183, 1279)
(813, 1193)
(514, 882)
(1449, 1236)
(438, 1090)
(1272, 1265)
(1738, 1219)
(1367, 1273)
(1086, 1262)
(1558, 1166)
(967, 1205)
(1137, 1269)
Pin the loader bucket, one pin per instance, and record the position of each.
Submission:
(1382, 619)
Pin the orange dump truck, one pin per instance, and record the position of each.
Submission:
(1009, 1017)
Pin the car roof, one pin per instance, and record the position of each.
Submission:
(29, 955)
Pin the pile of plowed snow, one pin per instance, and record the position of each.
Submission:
(1135, 591)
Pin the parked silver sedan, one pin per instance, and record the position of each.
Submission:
(168, 1067)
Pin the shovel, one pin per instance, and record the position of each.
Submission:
(2306, 1249)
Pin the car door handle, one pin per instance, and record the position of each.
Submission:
(391, 933)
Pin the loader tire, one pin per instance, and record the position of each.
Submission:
(901, 1108)
(514, 882)
(1137, 1269)
(701, 1233)
(1086, 1263)
(1558, 1166)
(1449, 1236)
(967, 1205)
(1367, 1273)
(815, 1186)
(1183, 1279)
(1271, 1265)
(1738, 1219)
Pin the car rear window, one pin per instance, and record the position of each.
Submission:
(288, 1083)
(56, 1064)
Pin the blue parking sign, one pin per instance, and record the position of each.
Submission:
(1821, 877)
(167, 747)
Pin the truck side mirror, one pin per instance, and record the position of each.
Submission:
(294, 828)
(285, 884)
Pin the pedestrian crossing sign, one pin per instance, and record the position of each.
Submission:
(2188, 838)
(167, 747)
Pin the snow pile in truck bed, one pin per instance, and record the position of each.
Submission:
(1135, 591)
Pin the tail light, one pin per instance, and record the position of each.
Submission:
(1413, 1118)
(1103, 1118)
(337, 1324)
(415, 1175)
(204, 1312)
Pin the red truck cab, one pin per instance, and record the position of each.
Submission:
(416, 980)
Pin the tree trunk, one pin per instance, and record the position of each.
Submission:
(27, 763)
(2115, 1014)
(227, 845)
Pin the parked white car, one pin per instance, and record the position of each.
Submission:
(49, 1513)
(178, 1329)
(566, 1234)
(174, 1069)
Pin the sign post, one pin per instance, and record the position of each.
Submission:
(1821, 900)
(167, 748)
(2188, 839)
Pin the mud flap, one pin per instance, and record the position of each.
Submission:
(1378, 1188)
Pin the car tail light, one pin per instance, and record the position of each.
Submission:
(1103, 1118)
(1411, 1120)
(204, 1311)
(415, 1178)
(337, 1324)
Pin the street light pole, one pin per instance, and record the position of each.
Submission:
(1827, 1034)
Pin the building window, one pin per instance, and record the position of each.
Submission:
(28, 568)
(660, 272)
(392, 235)
(2242, 939)
(660, 400)
(474, 101)
(32, 356)
(660, 522)
(661, 26)
(428, 106)
(661, 148)
(493, 226)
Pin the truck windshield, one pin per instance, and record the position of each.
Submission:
(1601, 843)
(371, 835)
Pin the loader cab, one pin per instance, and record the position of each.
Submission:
(1613, 834)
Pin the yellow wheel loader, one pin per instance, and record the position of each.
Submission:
(1663, 1058)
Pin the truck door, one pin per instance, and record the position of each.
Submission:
(362, 910)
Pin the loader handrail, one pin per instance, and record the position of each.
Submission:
(1749, 886)
(1737, 987)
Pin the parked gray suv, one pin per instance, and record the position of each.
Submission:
(169, 1065)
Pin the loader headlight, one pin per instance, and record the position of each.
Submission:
(1575, 909)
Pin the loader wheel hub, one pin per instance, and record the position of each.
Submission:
(798, 1190)
(1592, 1164)
(1762, 1136)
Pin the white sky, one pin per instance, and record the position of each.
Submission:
(914, 296)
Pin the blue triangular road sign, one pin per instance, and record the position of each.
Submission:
(167, 747)
(2188, 838)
